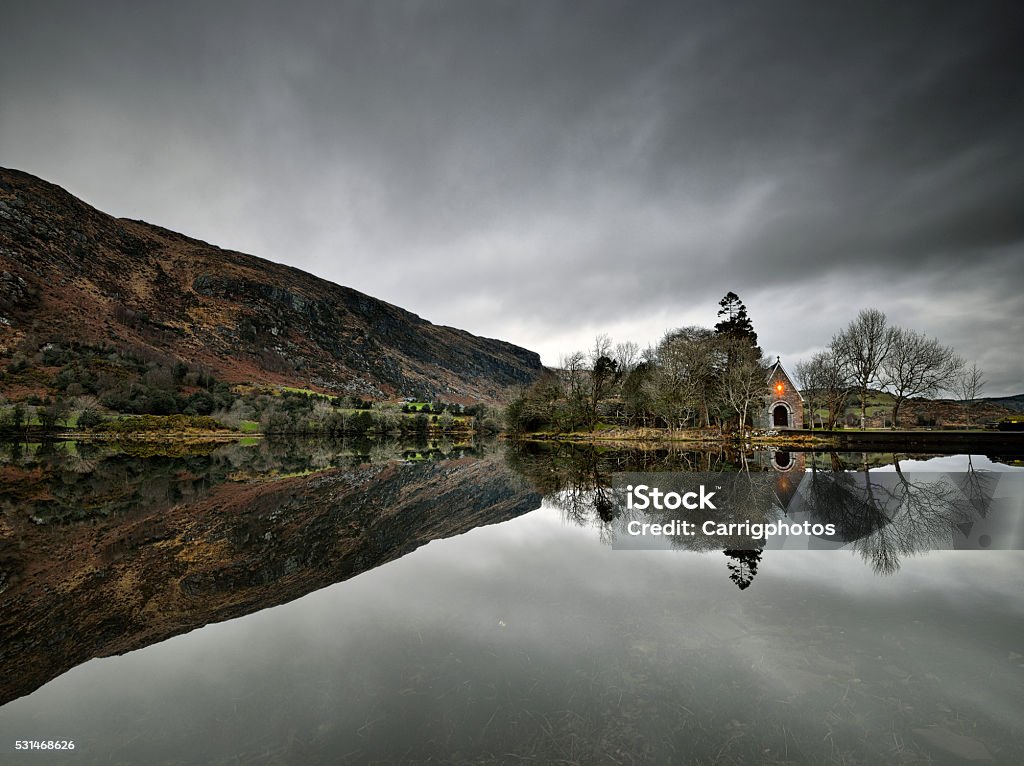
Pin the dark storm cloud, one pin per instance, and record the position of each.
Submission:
(542, 171)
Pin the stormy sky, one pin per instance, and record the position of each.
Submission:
(544, 171)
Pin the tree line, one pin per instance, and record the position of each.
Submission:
(694, 377)
(716, 378)
(868, 354)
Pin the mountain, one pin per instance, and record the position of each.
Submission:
(71, 274)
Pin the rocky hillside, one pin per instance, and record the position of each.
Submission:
(72, 274)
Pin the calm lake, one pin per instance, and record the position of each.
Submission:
(307, 603)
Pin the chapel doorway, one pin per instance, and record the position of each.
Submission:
(780, 416)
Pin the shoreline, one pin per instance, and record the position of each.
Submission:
(795, 438)
(629, 438)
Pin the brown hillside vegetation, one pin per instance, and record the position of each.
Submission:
(70, 273)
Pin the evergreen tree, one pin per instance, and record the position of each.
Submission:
(734, 321)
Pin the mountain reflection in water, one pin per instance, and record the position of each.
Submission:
(522, 640)
(105, 551)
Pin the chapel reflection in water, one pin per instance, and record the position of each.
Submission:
(109, 548)
(878, 509)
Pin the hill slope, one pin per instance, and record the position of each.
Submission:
(1015, 403)
(70, 273)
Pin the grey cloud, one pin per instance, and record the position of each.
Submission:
(546, 169)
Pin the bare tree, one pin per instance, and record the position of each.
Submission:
(812, 396)
(743, 383)
(602, 347)
(861, 349)
(682, 374)
(627, 354)
(917, 365)
(826, 385)
(574, 378)
(706, 353)
(673, 393)
(321, 414)
(968, 386)
(604, 374)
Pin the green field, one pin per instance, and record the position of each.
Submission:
(307, 392)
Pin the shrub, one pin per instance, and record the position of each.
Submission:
(148, 423)
(90, 419)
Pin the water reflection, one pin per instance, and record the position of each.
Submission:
(527, 641)
(105, 551)
(512, 637)
(892, 515)
(62, 482)
(878, 509)
(743, 566)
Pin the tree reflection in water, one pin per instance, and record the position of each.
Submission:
(884, 516)
(577, 480)
(743, 567)
(893, 514)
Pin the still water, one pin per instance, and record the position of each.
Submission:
(307, 603)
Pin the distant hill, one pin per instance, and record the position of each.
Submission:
(918, 411)
(71, 275)
(1015, 403)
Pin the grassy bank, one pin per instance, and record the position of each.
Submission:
(624, 435)
(850, 438)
